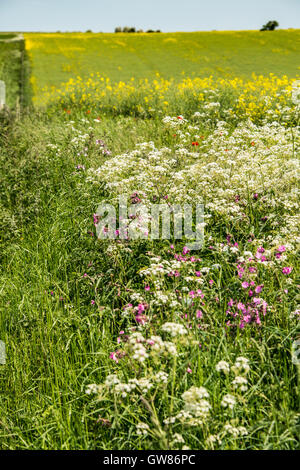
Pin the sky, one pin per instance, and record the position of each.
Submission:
(167, 15)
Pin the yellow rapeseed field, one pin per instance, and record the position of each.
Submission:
(254, 97)
(119, 65)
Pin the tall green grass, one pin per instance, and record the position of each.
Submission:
(57, 342)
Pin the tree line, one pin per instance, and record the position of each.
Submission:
(131, 29)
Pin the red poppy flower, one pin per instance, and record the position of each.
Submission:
(195, 143)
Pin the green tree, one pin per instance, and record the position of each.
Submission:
(270, 26)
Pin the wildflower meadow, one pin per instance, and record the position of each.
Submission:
(137, 342)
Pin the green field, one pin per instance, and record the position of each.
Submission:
(140, 343)
(57, 57)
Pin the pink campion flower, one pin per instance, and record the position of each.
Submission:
(114, 357)
(230, 303)
(172, 247)
(245, 284)
(241, 306)
(199, 314)
(287, 270)
(192, 294)
(200, 293)
(141, 319)
(127, 306)
(252, 269)
(250, 293)
(189, 370)
(198, 273)
(185, 250)
(277, 255)
(211, 282)
(255, 196)
(281, 249)
(259, 252)
(258, 289)
(147, 287)
(95, 219)
(135, 199)
(264, 307)
(141, 308)
(93, 302)
(241, 271)
(174, 273)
